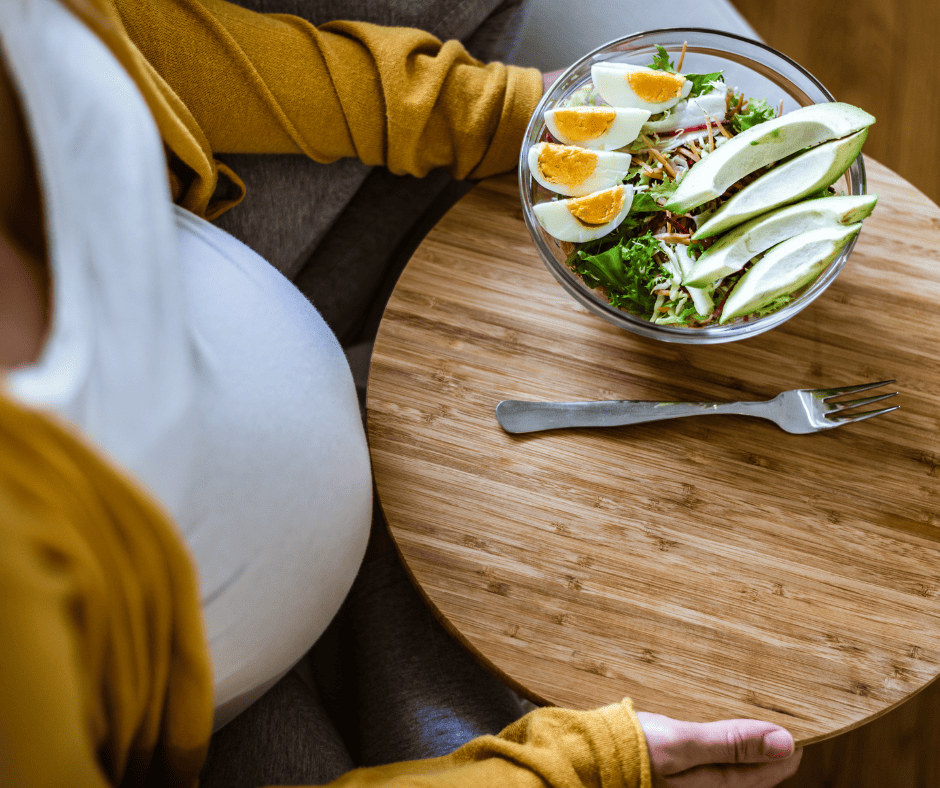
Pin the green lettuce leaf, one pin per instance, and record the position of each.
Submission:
(664, 188)
(773, 306)
(701, 83)
(644, 202)
(661, 61)
(758, 111)
(626, 271)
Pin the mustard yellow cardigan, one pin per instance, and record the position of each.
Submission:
(104, 667)
(222, 79)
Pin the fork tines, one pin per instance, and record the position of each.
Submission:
(834, 408)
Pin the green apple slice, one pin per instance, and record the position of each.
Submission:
(786, 183)
(786, 268)
(736, 247)
(762, 145)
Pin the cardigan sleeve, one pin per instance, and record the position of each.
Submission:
(104, 668)
(548, 748)
(266, 83)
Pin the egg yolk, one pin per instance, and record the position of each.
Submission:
(655, 86)
(565, 165)
(579, 125)
(599, 208)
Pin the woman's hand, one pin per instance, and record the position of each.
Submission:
(725, 754)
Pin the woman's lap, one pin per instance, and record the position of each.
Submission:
(411, 701)
(386, 683)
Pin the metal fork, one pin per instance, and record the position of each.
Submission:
(798, 411)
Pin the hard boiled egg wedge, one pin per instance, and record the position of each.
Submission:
(598, 128)
(579, 219)
(575, 172)
(641, 87)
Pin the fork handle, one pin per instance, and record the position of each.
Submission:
(522, 416)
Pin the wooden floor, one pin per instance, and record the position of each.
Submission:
(882, 55)
(898, 750)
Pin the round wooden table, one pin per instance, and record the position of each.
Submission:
(710, 567)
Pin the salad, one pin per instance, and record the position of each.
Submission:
(685, 202)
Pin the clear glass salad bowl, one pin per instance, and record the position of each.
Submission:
(755, 70)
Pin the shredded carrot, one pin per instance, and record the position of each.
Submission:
(680, 215)
(688, 152)
(720, 126)
(657, 173)
(780, 111)
(711, 138)
(667, 166)
(679, 238)
(660, 158)
(682, 56)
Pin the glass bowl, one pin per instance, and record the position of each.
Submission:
(754, 69)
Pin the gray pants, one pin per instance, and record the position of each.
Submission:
(385, 682)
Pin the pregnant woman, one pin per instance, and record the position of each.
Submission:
(185, 485)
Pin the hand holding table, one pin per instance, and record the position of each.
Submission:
(724, 754)
(706, 568)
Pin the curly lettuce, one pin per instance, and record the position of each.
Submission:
(627, 272)
(758, 111)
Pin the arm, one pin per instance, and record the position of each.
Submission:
(394, 96)
(607, 747)
(104, 669)
(548, 747)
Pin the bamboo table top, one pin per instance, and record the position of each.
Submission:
(709, 567)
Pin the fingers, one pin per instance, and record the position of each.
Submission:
(764, 775)
(677, 746)
(738, 741)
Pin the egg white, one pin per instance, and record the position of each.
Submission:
(624, 129)
(610, 81)
(558, 221)
(610, 170)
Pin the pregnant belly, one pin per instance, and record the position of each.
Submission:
(277, 507)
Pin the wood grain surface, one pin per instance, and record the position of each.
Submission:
(882, 56)
(710, 567)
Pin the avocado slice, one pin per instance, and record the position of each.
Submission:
(803, 175)
(787, 267)
(762, 145)
(736, 247)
